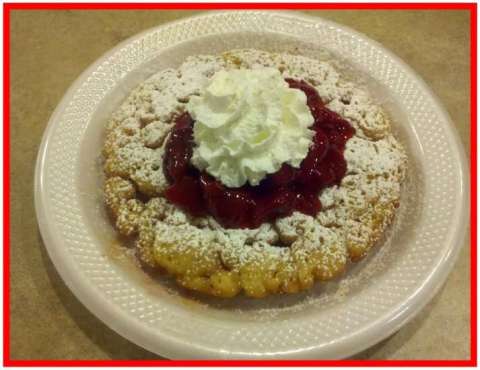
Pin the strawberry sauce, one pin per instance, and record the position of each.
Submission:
(279, 194)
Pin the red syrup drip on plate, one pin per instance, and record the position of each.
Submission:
(279, 194)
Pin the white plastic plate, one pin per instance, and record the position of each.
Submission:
(374, 299)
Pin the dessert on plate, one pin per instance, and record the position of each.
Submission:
(251, 172)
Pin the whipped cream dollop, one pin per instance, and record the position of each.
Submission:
(247, 124)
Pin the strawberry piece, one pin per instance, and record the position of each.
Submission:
(186, 194)
(178, 149)
(230, 207)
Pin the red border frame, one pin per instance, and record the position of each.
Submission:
(471, 7)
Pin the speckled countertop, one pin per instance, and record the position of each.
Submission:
(49, 49)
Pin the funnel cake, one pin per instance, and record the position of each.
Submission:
(287, 252)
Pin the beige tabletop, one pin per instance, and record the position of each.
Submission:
(49, 49)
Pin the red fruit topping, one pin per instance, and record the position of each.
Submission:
(337, 164)
(317, 151)
(178, 149)
(283, 176)
(277, 203)
(308, 203)
(279, 194)
(186, 194)
(338, 130)
(314, 101)
(231, 207)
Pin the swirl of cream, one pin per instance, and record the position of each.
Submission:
(247, 124)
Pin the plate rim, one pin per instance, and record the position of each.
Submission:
(121, 322)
